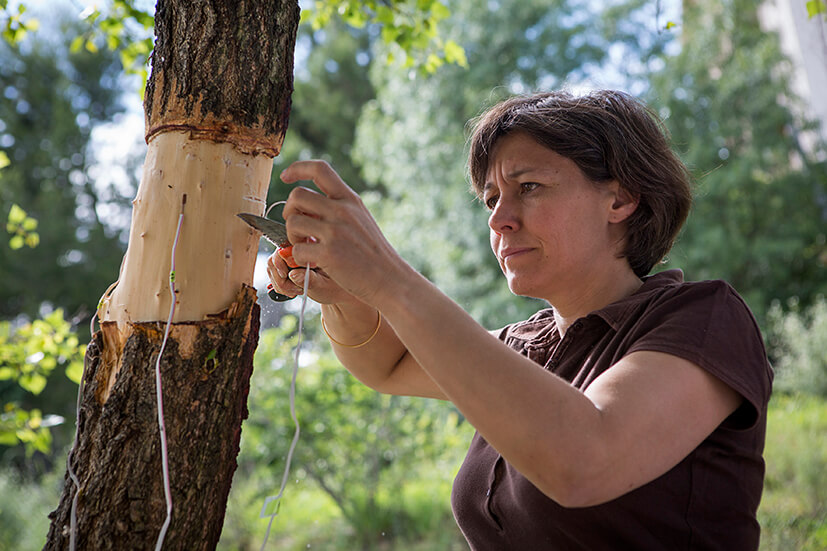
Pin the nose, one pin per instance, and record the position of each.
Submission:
(504, 217)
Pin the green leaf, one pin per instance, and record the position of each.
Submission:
(815, 7)
(439, 11)
(16, 215)
(4, 160)
(16, 242)
(384, 15)
(75, 372)
(32, 240)
(29, 224)
(454, 53)
(34, 383)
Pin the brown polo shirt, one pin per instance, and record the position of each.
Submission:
(708, 501)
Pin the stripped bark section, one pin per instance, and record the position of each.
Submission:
(118, 459)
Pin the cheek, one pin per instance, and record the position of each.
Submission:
(494, 240)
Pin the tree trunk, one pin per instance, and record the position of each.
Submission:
(216, 109)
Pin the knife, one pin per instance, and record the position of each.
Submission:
(275, 233)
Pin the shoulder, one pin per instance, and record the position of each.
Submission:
(709, 324)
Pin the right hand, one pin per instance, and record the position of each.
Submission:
(289, 281)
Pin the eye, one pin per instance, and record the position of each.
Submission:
(490, 201)
(526, 187)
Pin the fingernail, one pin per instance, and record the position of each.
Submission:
(295, 276)
(281, 273)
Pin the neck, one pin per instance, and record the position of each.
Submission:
(593, 294)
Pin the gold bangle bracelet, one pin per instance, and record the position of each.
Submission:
(375, 331)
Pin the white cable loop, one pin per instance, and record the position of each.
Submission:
(286, 474)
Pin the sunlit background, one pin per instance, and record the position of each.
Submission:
(742, 89)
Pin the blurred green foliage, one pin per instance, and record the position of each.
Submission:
(22, 228)
(50, 101)
(760, 215)
(16, 24)
(374, 470)
(798, 342)
(358, 446)
(793, 511)
(28, 355)
(410, 25)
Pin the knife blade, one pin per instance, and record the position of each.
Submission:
(274, 232)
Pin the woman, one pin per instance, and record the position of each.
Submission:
(629, 415)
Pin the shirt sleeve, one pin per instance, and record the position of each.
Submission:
(708, 324)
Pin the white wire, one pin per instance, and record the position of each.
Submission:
(292, 414)
(159, 391)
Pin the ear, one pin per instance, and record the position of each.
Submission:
(624, 203)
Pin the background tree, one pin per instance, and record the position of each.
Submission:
(50, 100)
(59, 248)
(411, 139)
(761, 205)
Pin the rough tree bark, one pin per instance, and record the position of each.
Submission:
(216, 109)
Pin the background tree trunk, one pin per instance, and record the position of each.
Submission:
(216, 106)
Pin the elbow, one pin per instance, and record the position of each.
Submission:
(582, 483)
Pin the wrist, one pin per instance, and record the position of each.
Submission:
(361, 342)
(350, 325)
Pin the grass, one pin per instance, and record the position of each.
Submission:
(793, 511)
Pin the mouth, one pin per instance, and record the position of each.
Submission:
(513, 252)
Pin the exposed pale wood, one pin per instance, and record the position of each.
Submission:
(216, 251)
(216, 105)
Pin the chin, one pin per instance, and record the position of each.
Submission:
(521, 289)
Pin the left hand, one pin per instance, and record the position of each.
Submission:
(334, 231)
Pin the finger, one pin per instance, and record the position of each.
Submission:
(305, 229)
(278, 272)
(276, 267)
(321, 288)
(304, 201)
(321, 174)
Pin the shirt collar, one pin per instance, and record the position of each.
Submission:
(617, 311)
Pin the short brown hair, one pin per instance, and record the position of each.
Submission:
(610, 135)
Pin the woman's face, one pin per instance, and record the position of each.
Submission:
(551, 227)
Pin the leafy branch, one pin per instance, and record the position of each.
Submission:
(123, 28)
(816, 7)
(15, 26)
(22, 229)
(411, 25)
(28, 356)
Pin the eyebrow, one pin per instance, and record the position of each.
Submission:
(512, 175)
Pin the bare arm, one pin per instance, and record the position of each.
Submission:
(633, 424)
(383, 363)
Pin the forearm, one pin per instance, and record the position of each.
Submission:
(350, 329)
(541, 424)
(368, 347)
